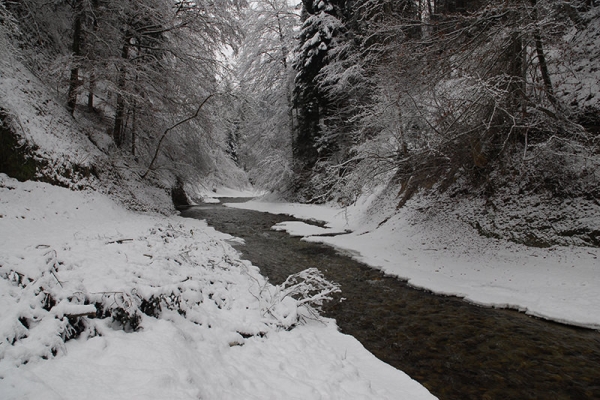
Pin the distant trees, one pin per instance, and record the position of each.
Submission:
(327, 99)
(264, 122)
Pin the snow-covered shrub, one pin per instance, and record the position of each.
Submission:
(40, 314)
(299, 297)
(50, 295)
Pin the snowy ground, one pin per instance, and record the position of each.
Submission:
(97, 302)
(442, 254)
(156, 307)
(218, 192)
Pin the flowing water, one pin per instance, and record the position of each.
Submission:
(455, 349)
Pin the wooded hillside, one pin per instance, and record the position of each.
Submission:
(488, 108)
(491, 102)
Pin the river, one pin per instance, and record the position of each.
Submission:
(457, 350)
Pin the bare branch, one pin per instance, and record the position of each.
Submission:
(164, 135)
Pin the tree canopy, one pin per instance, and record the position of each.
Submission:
(322, 98)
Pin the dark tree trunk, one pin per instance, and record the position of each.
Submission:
(516, 62)
(133, 129)
(119, 128)
(92, 79)
(304, 146)
(539, 50)
(76, 49)
(92, 88)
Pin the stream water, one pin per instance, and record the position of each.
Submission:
(455, 349)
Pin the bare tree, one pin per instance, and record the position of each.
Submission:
(265, 118)
(146, 64)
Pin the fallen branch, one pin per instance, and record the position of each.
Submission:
(84, 314)
(120, 241)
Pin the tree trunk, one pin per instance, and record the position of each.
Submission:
(284, 51)
(289, 90)
(92, 88)
(516, 87)
(133, 129)
(92, 79)
(118, 130)
(76, 49)
(539, 50)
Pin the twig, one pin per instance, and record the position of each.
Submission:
(55, 277)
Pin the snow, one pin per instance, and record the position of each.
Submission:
(441, 253)
(221, 331)
(35, 111)
(212, 196)
(101, 302)
(297, 228)
(578, 79)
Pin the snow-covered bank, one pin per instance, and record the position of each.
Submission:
(178, 314)
(443, 254)
(201, 194)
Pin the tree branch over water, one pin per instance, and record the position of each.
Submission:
(183, 121)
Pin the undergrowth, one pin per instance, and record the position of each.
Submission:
(184, 277)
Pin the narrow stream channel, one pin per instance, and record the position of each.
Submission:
(456, 350)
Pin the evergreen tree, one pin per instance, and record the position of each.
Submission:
(321, 29)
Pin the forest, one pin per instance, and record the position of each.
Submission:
(488, 103)
(425, 212)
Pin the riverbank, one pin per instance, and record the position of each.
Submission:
(456, 350)
(441, 253)
(100, 302)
